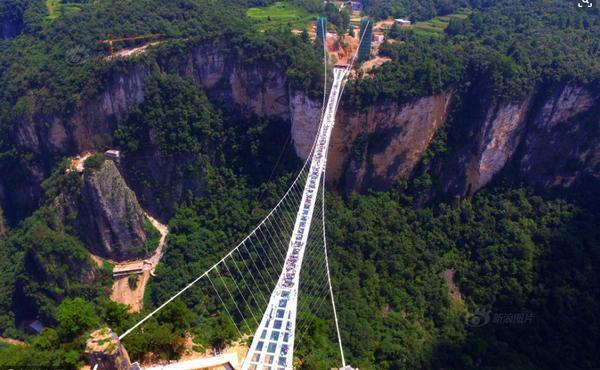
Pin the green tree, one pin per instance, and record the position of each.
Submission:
(76, 316)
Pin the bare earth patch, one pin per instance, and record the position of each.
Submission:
(448, 275)
(121, 291)
(12, 342)
(126, 53)
(372, 63)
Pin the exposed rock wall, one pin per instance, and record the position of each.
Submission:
(374, 148)
(562, 145)
(2, 225)
(91, 126)
(105, 351)
(305, 114)
(257, 88)
(549, 138)
(261, 89)
(370, 149)
(110, 219)
(92, 123)
(498, 138)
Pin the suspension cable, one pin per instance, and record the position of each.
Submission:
(337, 325)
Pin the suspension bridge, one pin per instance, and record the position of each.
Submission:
(281, 268)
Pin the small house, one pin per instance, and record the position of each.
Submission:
(113, 154)
(355, 6)
(402, 22)
(34, 327)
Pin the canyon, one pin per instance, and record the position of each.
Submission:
(371, 148)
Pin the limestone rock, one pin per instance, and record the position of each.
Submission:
(103, 348)
(112, 223)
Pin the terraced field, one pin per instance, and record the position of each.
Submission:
(280, 14)
(56, 8)
(437, 25)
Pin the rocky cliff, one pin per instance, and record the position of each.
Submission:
(562, 145)
(49, 136)
(103, 212)
(370, 149)
(11, 21)
(2, 225)
(104, 351)
(112, 221)
(548, 138)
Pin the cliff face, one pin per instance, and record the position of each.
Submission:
(111, 220)
(370, 149)
(374, 148)
(549, 138)
(259, 89)
(2, 226)
(11, 26)
(89, 127)
(305, 114)
(562, 146)
(489, 143)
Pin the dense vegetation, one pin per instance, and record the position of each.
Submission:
(502, 45)
(513, 253)
(512, 250)
(55, 65)
(414, 10)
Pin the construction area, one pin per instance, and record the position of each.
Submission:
(133, 295)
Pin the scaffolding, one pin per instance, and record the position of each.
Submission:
(364, 49)
(321, 28)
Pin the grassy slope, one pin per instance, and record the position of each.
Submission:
(279, 14)
(55, 7)
(437, 25)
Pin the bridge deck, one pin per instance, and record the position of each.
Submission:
(273, 344)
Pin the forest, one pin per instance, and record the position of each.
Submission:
(512, 248)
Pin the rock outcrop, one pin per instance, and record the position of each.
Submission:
(374, 148)
(370, 149)
(562, 145)
(91, 126)
(104, 350)
(305, 114)
(2, 225)
(548, 138)
(11, 21)
(501, 132)
(490, 142)
(110, 219)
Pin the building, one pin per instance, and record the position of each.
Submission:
(364, 49)
(34, 327)
(126, 269)
(321, 28)
(402, 22)
(113, 154)
(355, 6)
